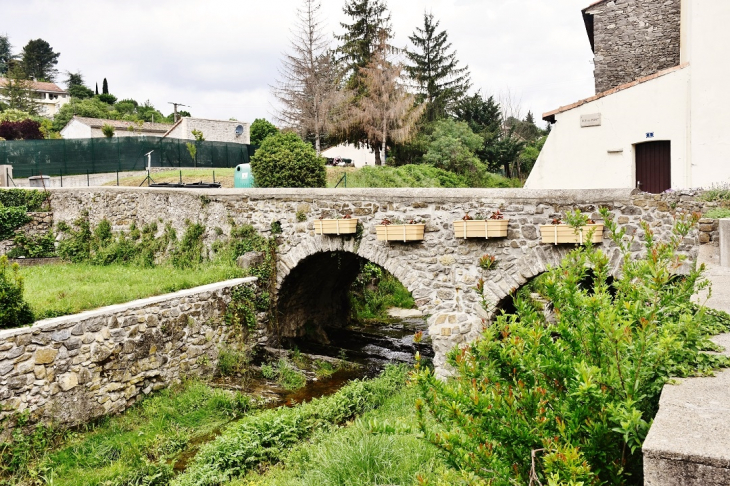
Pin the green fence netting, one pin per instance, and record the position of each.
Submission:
(97, 155)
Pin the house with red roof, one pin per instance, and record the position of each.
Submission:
(48, 96)
(658, 119)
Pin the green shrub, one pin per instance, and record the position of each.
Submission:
(76, 246)
(40, 246)
(577, 393)
(31, 200)
(266, 437)
(718, 213)
(231, 361)
(261, 129)
(284, 374)
(189, 253)
(285, 160)
(375, 291)
(14, 311)
(12, 218)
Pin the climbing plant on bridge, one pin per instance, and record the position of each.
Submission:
(570, 399)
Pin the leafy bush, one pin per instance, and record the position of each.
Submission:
(40, 246)
(284, 373)
(718, 213)
(21, 130)
(285, 160)
(266, 437)
(14, 311)
(107, 130)
(261, 129)
(420, 175)
(375, 291)
(577, 393)
(10, 220)
(189, 253)
(452, 146)
(31, 200)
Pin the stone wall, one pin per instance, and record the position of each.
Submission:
(72, 369)
(42, 223)
(709, 231)
(633, 39)
(441, 271)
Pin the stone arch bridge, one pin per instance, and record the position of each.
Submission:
(314, 272)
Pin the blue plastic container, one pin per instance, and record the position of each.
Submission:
(243, 177)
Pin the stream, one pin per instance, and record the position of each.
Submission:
(368, 346)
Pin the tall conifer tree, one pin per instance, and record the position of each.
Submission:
(435, 70)
(39, 60)
(105, 87)
(370, 24)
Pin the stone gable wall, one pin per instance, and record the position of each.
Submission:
(633, 39)
(72, 369)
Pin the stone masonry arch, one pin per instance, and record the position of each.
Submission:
(441, 271)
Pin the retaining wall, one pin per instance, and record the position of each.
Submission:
(72, 369)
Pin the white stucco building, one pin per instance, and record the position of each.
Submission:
(81, 127)
(49, 97)
(360, 156)
(659, 120)
(213, 130)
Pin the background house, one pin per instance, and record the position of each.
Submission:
(360, 156)
(657, 120)
(81, 127)
(49, 97)
(213, 130)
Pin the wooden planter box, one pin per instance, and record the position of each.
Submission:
(487, 228)
(555, 234)
(335, 226)
(400, 232)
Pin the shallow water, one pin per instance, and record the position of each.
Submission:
(371, 346)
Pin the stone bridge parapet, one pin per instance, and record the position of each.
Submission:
(314, 272)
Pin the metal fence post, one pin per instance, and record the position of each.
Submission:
(87, 179)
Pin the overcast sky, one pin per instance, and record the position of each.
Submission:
(221, 56)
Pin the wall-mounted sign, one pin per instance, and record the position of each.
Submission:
(650, 135)
(593, 120)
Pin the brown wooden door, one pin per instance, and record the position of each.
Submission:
(654, 166)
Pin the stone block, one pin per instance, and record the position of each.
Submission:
(250, 259)
(67, 381)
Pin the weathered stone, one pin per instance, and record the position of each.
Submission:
(45, 355)
(62, 335)
(68, 381)
(250, 259)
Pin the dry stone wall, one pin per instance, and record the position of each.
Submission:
(41, 223)
(72, 369)
(633, 39)
(441, 272)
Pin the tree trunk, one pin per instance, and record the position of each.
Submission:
(385, 138)
(377, 155)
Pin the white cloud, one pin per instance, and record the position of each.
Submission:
(220, 56)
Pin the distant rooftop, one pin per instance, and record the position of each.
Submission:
(39, 86)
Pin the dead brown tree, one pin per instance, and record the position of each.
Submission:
(387, 112)
(308, 85)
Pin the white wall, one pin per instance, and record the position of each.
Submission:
(360, 156)
(213, 130)
(579, 158)
(76, 129)
(710, 92)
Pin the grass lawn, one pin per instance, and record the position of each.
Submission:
(68, 288)
(146, 441)
(224, 176)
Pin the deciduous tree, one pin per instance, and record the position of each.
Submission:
(435, 70)
(39, 60)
